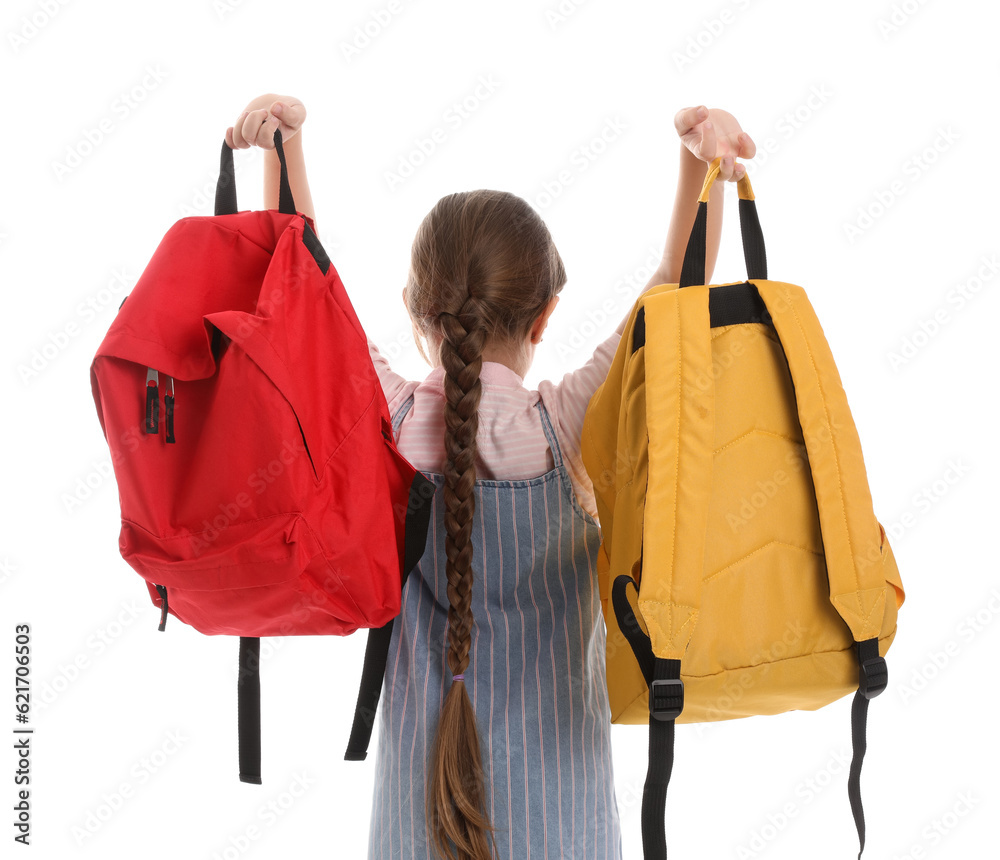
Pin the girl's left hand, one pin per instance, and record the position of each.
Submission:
(711, 134)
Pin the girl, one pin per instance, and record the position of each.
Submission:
(494, 727)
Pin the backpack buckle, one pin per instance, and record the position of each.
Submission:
(873, 677)
(666, 699)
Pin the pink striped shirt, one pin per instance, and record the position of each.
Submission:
(510, 440)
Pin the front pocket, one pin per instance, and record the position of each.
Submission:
(240, 555)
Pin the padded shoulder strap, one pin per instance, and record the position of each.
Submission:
(851, 534)
(680, 422)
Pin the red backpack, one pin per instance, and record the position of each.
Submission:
(266, 497)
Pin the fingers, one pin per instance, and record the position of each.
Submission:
(708, 144)
(686, 118)
(747, 148)
(731, 170)
(253, 128)
(234, 136)
(291, 114)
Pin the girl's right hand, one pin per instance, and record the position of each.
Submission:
(257, 124)
(711, 134)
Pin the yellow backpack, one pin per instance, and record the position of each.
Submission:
(733, 498)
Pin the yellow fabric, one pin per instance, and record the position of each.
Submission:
(742, 185)
(731, 487)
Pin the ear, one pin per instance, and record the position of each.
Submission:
(543, 319)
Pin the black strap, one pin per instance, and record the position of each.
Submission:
(728, 304)
(225, 188)
(873, 677)
(666, 701)
(418, 514)
(629, 625)
(693, 268)
(248, 695)
(753, 240)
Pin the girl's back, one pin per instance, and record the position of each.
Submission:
(536, 663)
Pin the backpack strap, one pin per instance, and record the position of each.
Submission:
(679, 422)
(851, 534)
(418, 514)
(857, 567)
(248, 709)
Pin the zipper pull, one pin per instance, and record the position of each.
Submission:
(152, 401)
(162, 589)
(168, 402)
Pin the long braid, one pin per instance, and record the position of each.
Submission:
(483, 269)
(456, 788)
(461, 356)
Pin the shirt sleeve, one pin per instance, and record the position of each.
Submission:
(567, 402)
(394, 386)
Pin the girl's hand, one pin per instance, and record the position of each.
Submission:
(257, 124)
(711, 134)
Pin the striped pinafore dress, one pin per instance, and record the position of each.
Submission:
(536, 677)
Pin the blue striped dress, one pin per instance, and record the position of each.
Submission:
(536, 677)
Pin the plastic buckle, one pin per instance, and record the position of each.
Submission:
(873, 677)
(666, 699)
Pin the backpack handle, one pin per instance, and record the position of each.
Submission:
(693, 269)
(225, 189)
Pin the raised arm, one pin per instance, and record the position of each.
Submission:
(256, 126)
(705, 135)
(296, 177)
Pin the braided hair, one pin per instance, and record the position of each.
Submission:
(483, 268)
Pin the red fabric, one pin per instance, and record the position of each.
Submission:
(280, 508)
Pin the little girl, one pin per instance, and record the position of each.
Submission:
(494, 725)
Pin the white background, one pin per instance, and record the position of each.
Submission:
(854, 106)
